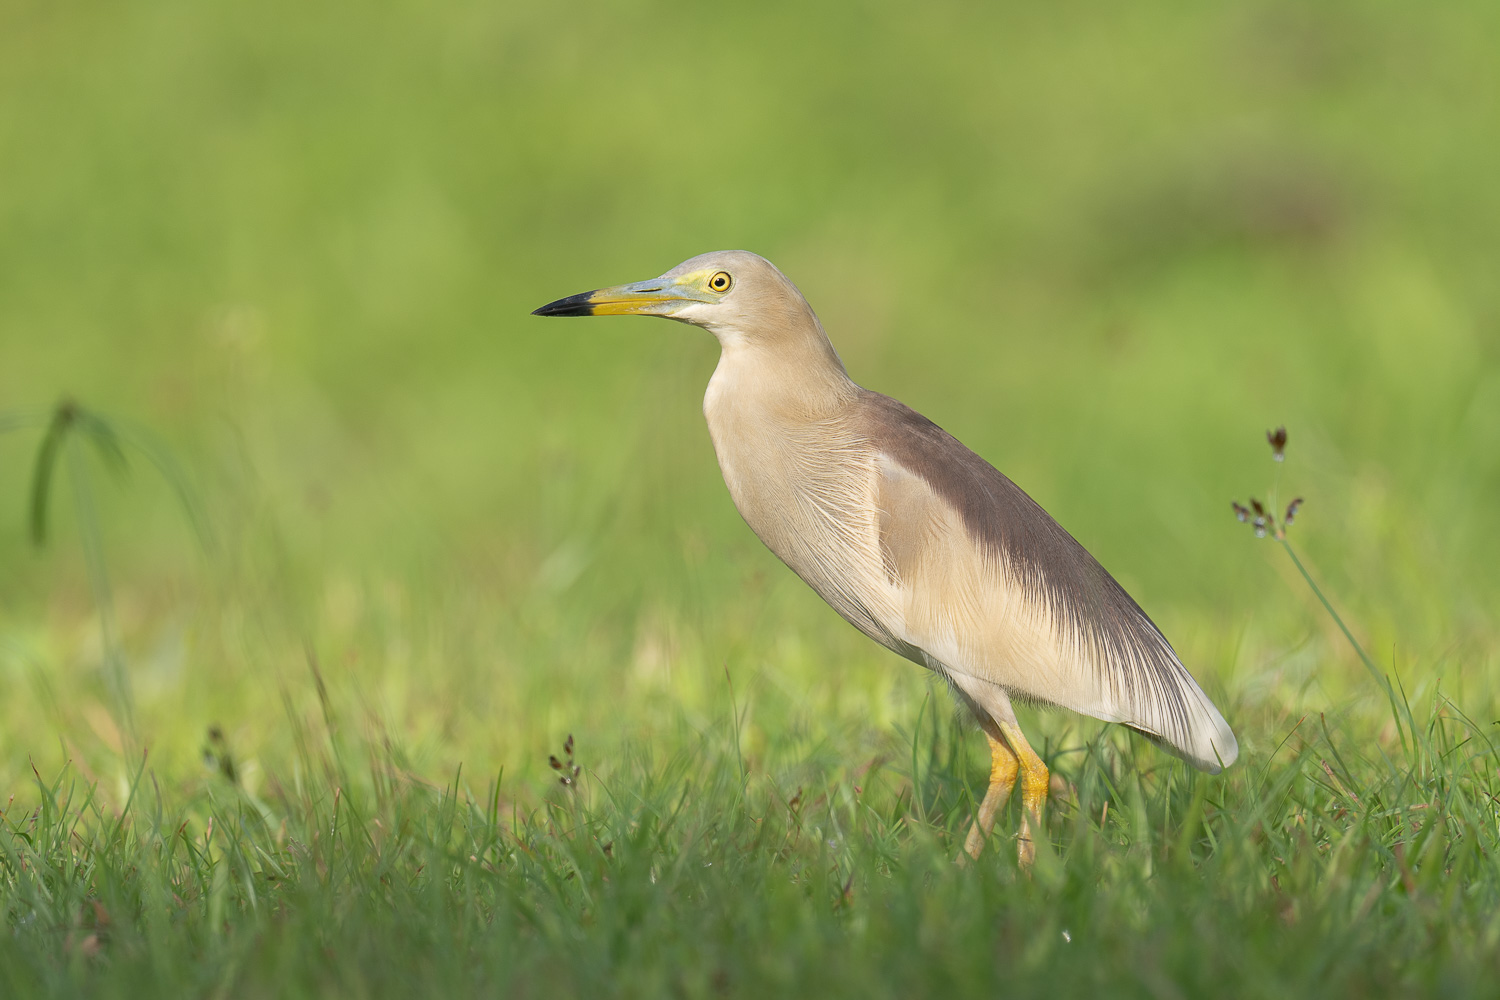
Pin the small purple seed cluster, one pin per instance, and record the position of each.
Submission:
(569, 769)
(1256, 515)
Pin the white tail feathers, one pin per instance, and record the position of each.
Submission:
(1197, 732)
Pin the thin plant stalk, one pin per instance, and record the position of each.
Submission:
(1363, 656)
(1396, 706)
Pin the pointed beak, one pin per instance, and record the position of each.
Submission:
(656, 297)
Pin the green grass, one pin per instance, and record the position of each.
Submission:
(288, 255)
(1319, 869)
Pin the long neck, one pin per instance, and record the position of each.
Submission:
(792, 374)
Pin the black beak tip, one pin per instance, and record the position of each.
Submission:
(573, 305)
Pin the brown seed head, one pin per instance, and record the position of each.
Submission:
(1277, 440)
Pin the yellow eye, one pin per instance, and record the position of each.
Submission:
(720, 282)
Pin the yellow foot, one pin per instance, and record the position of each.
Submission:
(1034, 778)
(1003, 769)
(1010, 755)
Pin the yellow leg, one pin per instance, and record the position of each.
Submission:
(1003, 768)
(1034, 778)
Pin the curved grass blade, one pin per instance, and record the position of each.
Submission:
(46, 465)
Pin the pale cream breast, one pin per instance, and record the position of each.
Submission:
(804, 480)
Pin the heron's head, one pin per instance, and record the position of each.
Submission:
(738, 296)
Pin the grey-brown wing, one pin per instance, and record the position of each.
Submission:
(993, 585)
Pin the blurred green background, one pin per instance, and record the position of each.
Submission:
(1106, 245)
